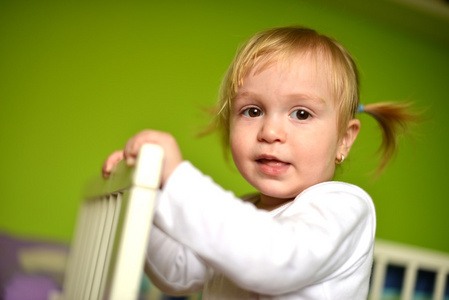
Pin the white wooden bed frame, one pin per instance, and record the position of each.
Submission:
(412, 259)
(108, 249)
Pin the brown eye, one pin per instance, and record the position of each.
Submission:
(300, 114)
(252, 112)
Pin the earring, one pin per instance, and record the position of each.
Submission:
(340, 161)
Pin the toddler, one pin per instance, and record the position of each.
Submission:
(287, 111)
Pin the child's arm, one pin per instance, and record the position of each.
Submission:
(326, 234)
(172, 267)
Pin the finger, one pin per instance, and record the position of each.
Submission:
(133, 146)
(130, 152)
(110, 162)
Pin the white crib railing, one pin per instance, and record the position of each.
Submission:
(412, 259)
(108, 249)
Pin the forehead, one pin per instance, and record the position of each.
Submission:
(301, 73)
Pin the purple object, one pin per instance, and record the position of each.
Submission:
(15, 282)
(29, 287)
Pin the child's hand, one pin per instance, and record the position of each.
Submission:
(172, 153)
(110, 162)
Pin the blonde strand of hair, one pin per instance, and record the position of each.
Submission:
(394, 119)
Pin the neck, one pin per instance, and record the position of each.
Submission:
(270, 203)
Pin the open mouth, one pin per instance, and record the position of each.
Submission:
(272, 165)
(270, 159)
(271, 162)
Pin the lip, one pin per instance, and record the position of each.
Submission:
(271, 165)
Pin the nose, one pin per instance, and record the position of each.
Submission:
(272, 130)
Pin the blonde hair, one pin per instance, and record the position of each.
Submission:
(279, 44)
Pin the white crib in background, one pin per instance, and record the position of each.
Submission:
(107, 257)
(412, 259)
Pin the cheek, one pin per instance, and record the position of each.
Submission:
(319, 163)
(240, 147)
(236, 145)
(322, 146)
(236, 135)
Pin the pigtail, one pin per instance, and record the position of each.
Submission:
(395, 119)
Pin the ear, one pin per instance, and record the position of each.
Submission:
(352, 130)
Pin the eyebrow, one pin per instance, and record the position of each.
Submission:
(293, 96)
(239, 95)
(307, 97)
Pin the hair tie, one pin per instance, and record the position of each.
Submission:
(360, 109)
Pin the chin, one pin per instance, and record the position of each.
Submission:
(276, 189)
(278, 194)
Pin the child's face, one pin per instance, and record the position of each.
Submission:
(283, 131)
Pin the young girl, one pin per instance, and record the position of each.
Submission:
(287, 111)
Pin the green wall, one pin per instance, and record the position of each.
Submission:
(78, 79)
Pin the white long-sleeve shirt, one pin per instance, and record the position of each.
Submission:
(318, 246)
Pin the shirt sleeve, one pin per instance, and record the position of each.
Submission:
(172, 267)
(325, 231)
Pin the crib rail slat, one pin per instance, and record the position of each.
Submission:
(97, 230)
(378, 277)
(113, 225)
(111, 203)
(73, 269)
(128, 270)
(408, 286)
(440, 283)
